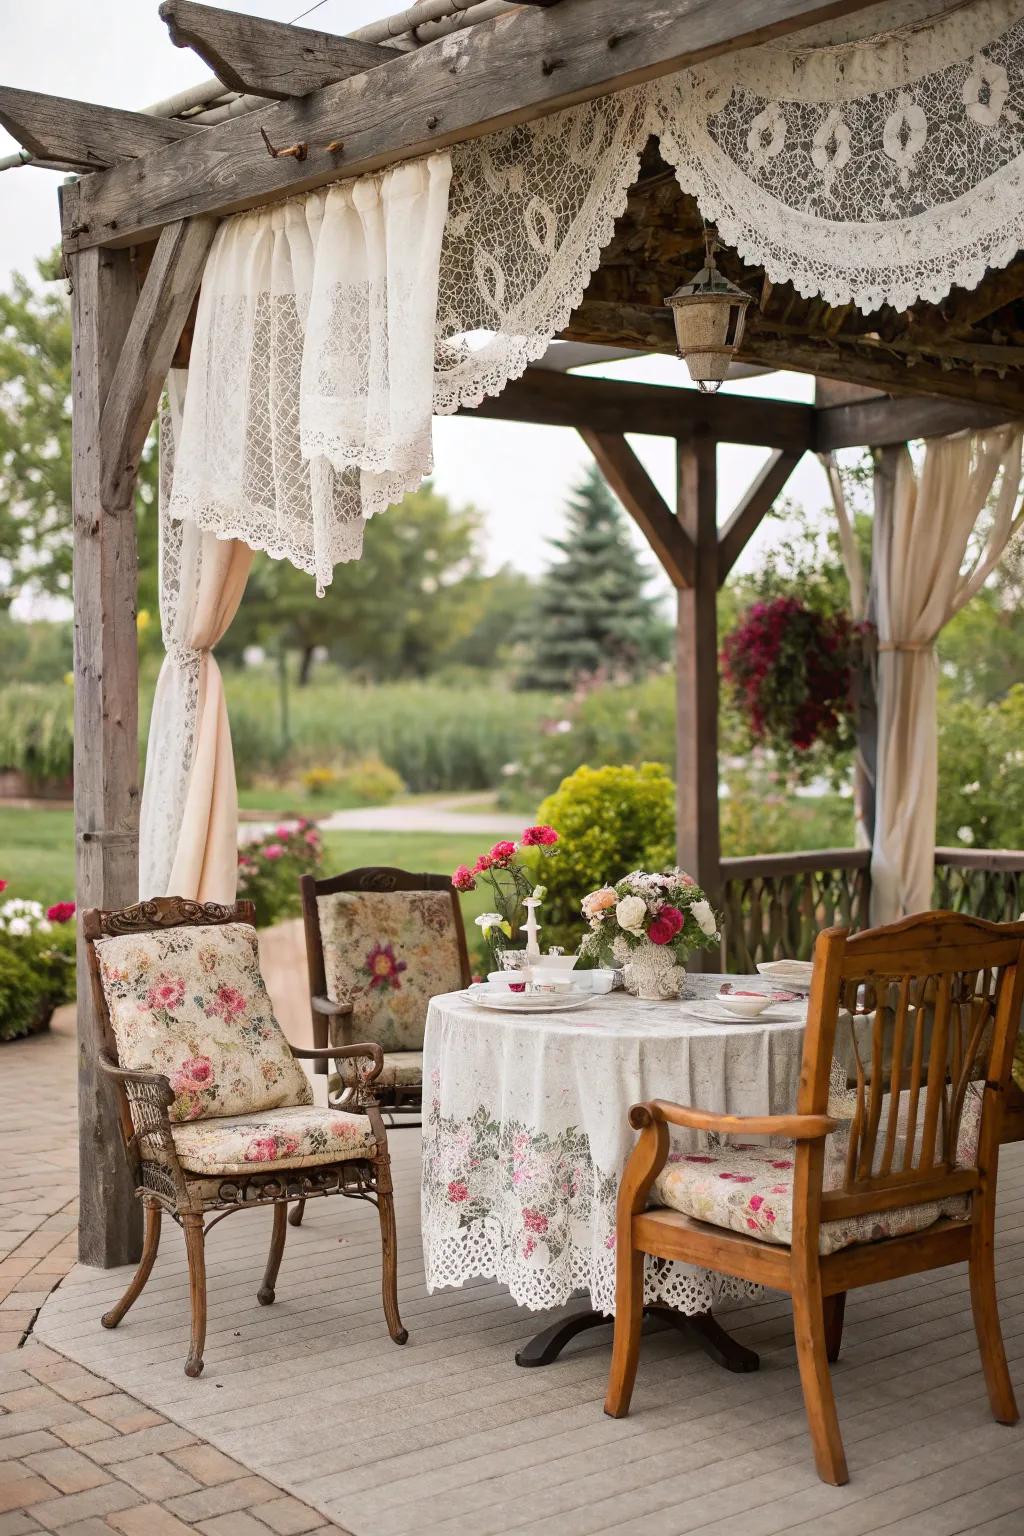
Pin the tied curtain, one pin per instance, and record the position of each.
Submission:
(923, 572)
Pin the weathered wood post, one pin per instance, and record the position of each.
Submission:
(106, 723)
(697, 830)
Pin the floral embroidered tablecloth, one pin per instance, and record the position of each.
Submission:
(525, 1134)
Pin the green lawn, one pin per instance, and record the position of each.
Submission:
(37, 854)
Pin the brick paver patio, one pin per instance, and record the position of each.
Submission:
(77, 1455)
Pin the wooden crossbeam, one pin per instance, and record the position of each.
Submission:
(267, 58)
(162, 309)
(884, 420)
(645, 504)
(734, 537)
(619, 405)
(511, 69)
(78, 135)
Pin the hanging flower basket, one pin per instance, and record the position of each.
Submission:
(792, 672)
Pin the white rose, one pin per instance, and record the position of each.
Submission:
(705, 917)
(19, 927)
(631, 913)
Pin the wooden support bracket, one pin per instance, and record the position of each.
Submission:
(756, 503)
(77, 135)
(643, 501)
(268, 58)
(162, 310)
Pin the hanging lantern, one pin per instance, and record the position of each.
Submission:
(708, 314)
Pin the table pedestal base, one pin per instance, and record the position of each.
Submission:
(546, 1346)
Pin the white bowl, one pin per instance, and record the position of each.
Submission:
(744, 1007)
(600, 981)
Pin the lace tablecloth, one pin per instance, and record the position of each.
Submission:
(525, 1134)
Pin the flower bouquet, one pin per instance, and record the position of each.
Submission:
(649, 924)
(511, 882)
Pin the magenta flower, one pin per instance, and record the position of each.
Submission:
(273, 851)
(502, 853)
(60, 912)
(660, 931)
(463, 880)
(539, 837)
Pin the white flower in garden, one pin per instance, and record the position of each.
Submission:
(631, 914)
(705, 917)
(972, 789)
(489, 920)
(19, 926)
(965, 834)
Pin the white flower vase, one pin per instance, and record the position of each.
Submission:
(650, 971)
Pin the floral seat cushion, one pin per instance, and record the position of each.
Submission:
(298, 1136)
(191, 1003)
(402, 1069)
(388, 953)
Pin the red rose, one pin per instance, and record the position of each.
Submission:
(660, 931)
(673, 917)
(60, 912)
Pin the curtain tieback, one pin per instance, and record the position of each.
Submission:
(182, 655)
(909, 646)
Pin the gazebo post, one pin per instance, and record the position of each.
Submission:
(106, 767)
(697, 829)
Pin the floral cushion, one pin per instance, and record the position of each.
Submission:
(298, 1136)
(402, 1069)
(749, 1188)
(191, 1003)
(388, 953)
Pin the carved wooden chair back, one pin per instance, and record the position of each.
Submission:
(144, 917)
(919, 1069)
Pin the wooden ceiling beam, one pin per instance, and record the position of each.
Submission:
(885, 420)
(78, 135)
(645, 504)
(267, 58)
(552, 399)
(171, 283)
(755, 505)
(514, 68)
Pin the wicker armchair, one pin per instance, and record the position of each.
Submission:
(216, 1113)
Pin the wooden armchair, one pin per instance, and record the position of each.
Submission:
(380, 943)
(216, 1114)
(889, 1166)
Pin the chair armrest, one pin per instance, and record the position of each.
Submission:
(126, 1075)
(332, 1052)
(329, 1008)
(792, 1127)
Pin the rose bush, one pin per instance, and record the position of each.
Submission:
(269, 869)
(37, 963)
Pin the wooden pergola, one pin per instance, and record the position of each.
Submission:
(136, 232)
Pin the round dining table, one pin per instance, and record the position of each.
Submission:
(526, 1135)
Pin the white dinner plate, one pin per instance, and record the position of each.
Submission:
(713, 1012)
(790, 975)
(530, 1002)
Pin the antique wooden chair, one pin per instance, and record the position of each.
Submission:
(890, 1162)
(216, 1113)
(380, 943)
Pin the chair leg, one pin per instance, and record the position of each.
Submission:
(629, 1317)
(986, 1325)
(296, 1216)
(835, 1311)
(819, 1402)
(151, 1242)
(195, 1247)
(389, 1254)
(265, 1294)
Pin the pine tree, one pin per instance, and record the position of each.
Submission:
(594, 616)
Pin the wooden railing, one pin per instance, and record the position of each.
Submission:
(774, 906)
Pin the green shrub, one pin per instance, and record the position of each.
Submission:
(371, 781)
(36, 731)
(610, 821)
(37, 974)
(269, 870)
(19, 993)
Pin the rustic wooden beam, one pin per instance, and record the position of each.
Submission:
(619, 405)
(758, 501)
(79, 135)
(885, 420)
(165, 301)
(511, 69)
(697, 826)
(267, 58)
(645, 504)
(106, 729)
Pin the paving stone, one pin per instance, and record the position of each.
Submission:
(84, 1431)
(17, 1523)
(157, 1478)
(67, 1470)
(20, 1489)
(24, 1445)
(148, 1520)
(162, 1437)
(224, 1498)
(123, 1412)
(55, 1514)
(206, 1464)
(238, 1523)
(288, 1517)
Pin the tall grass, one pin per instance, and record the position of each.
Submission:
(36, 731)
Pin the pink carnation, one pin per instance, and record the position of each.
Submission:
(502, 853)
(539, 837)
(482, 864)
(273, 851)
(463, 880)
(61, 911)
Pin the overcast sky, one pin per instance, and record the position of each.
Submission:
(118, 52)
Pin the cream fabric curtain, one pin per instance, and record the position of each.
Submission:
(920, 582)
(189, 823)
